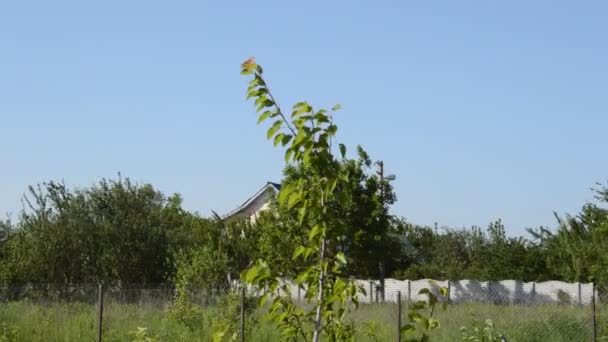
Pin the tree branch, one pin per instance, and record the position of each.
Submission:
(276, 104)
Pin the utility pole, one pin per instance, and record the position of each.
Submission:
(380, 173)
(383, 221)
(384, 179)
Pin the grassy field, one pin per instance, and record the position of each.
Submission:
(27, 321)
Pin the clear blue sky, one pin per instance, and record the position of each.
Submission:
(483, 109)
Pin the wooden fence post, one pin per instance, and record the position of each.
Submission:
(99, 312)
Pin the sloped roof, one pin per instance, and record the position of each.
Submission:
(269, 185)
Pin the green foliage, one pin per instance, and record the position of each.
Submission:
(307, 138)
(470, 254)
(478, 332)
(422, 315)
(227, 316)
(278, 226)
(5, 230)
(142, 335)
(604, 336)
(577, 251)
(185, 312)
(202, 268)
(60, 321)
(113, 232)
(218, 252)
(370, 330)
(8, 333)
(368, 238)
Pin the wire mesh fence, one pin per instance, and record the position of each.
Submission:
(513, 310)
(160, 313)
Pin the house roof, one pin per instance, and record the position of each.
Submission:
(269, 185)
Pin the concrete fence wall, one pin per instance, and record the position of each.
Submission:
(466, 291)
(498, 292)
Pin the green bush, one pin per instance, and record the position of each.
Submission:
(7, 333)
(185, 312)
(228, 312)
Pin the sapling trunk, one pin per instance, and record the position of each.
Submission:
(318, 316)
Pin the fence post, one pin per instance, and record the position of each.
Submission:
(449, 291)
(243, 314)
(580, 302)
(398, 316)
(377, 295)
(593, 317)
(371, 293)
(99, 311)
(299, 296)
(534, 292)
(409, 294)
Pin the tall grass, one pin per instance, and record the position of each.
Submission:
(63, 321)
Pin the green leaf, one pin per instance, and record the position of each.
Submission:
(278, 139)
(302, 276)
(286, 139)
(336, 107)
(285, 192)
(332, 129)
(288, 155)
(433, 323)
(314, 232)
(332, 185)
(252, 274)
(298, 252)
(419, 305)
(342, 150)
(274, 128)
(260, 100)
(264, 299)
(218, 336)
(416, 317)
(302, 213)
(264, 116)
(408, 329)
(294, 199)
(341, 258)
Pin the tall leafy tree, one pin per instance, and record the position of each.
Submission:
(472, 254)
(114, 232)
(279, 226)
(369, 238)
(218, 252)
(577, 250)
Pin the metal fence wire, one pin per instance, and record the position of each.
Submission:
(511, 310)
